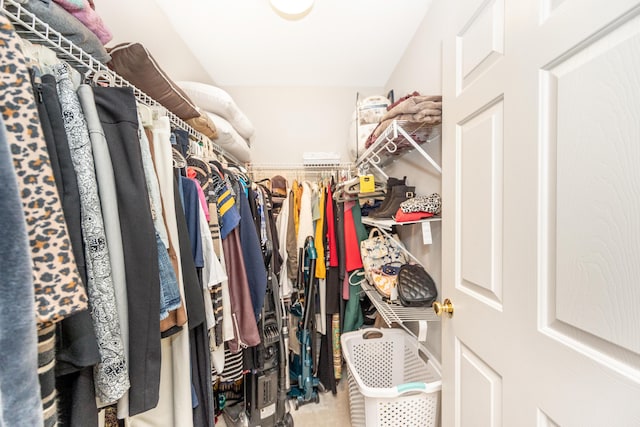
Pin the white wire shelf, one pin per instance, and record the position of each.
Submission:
(388, 223)
(399, 138)
(297, 170)
(32, 28)
(299, 166)
(394, 312)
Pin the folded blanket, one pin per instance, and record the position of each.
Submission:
(404, 98)
(413, 118)
(414, 105)
(418, 110)
(83, 11)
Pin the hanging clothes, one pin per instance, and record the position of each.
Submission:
(118, 115)
(334, 285)
(244, 321)
(251, 253)
(178, 317)
(20, 402)
(243, 317)
(220, 292)
(174, 404)
(320, 234)
(110, 374)
(305, 219)
(215, 283)
(353, 261)
(109, 202)
(76, 345)
(292, 237)
(297, 200)
(192, 216)
(354, 234)
(282, 224)
(191, 282)
(212, 276)
(55, 275)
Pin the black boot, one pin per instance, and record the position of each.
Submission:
(391, 182)
(399, 194)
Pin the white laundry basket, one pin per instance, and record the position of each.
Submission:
(389, 383)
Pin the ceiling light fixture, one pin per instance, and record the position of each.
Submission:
(292, 9)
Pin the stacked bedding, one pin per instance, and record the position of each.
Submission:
(418, 110)
(234, 128)
(208, 109)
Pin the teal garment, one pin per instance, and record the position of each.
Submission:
(361, 232)
(353, 317)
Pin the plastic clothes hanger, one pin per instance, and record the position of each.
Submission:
(145, 114)
(103, 78)
(40, 55)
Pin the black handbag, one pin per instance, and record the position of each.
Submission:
(416, 288)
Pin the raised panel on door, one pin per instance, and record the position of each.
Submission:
(480, 146)
(480, 43)
(592, 198)
(544, 420)
(479, 389)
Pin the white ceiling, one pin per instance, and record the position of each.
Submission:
(245, 43)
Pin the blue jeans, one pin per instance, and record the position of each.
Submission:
(169, 293)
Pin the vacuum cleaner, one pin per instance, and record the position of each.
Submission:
(306, 389)
(266, 403)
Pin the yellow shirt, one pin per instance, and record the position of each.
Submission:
(321, 270)
(297, 198)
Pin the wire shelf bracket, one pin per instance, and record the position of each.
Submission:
(388, 145)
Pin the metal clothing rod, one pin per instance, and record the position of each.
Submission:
(32, 28)
(299, 167)
(296, 170)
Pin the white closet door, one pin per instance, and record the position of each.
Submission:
(541, 237)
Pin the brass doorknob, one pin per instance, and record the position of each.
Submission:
(446, 307)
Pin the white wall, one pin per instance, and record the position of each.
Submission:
(420, 69)
(292, 120)
(143, 21)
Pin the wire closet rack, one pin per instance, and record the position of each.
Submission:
(297, 170)
(35, 30)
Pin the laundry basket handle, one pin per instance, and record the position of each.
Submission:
(373, 334)
(403, 388)
(418, 386)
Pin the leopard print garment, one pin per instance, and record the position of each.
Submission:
(58, 288)
(431, 204)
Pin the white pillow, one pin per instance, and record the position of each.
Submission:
(229, 139)
(218, 101)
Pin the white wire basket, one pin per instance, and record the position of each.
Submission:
(389, 383)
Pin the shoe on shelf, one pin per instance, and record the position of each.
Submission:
(391, 182)
(399, 194)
